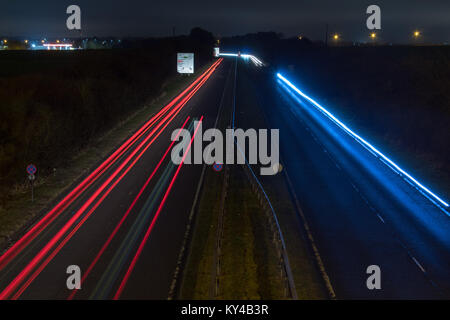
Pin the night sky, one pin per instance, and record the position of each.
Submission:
(45, 18)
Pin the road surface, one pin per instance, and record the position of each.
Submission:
(101, 228)
(360, 211)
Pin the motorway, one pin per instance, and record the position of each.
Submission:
(126, 234)
(124, 224)
(359, 210)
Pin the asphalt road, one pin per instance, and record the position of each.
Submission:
(360, 212)
(38, 270)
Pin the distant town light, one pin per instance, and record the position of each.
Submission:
(58, 46)
(26, 41)
(336, 37)
(64, 45)
(373, 35)
(416, 33)
(300, 37)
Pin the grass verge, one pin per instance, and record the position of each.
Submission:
(248, 260)
(249, 268)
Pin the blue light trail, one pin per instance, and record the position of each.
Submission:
(424, 190)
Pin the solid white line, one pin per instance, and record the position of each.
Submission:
(381, 218)
(418, 264)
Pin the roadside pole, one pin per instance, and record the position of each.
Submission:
(31, 170)
(32, 177)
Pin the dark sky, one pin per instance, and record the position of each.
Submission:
(38, 18)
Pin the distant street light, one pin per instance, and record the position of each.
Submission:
(416, 34)
(336, 36)
(300, 37)
(26, 41)
(373, 35)
(5, 41)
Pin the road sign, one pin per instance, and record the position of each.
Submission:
(185, 63)
(31, 169)
(216, 52)
(217, 167)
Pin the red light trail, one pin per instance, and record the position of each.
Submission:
(75, 193)
(116, 229)
(62, 205)
(152, 224)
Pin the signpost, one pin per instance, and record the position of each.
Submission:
(217, 167)
(185, 63)
(31, 170)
